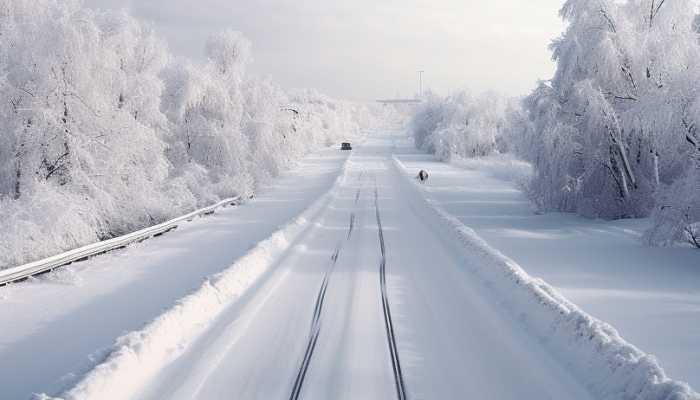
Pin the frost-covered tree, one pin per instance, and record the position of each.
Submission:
(677, 214)
(460, 125)
(102, 133)
(236, 131)
(607, 132)
(321, 119)
(204, 105)
(80, 137)
(272, 127)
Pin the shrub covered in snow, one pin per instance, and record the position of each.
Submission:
(103, 133)
(461, 125)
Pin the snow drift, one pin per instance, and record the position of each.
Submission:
(502, 166)
(592, 350)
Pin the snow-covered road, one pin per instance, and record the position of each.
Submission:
(452, 339)
(369, 292)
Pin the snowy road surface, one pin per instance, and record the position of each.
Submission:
(452, 342)
(365, 295)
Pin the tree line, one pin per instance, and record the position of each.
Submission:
(614, 134)
(103, 131)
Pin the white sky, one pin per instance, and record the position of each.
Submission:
(368, 49)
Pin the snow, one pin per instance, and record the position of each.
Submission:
(613, 134)
(468, 319)
(616, 125)
(102, 121)
(254, 346)
(84, 307)
(649, 294)
(502, 166)
(138, 356)
(127, 136)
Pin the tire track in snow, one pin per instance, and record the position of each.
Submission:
(388, 322)
(358, 193)
(352, 225)
(315, 327)
(318, 309)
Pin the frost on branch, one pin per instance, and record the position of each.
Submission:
(613, 134)
(461, 125)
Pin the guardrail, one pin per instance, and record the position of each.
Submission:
(34, 268)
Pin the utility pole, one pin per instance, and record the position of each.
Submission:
(420, 78)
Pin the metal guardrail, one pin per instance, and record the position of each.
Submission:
(34, 268)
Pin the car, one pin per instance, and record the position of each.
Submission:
(345, 146)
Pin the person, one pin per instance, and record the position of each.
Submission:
(422, 176)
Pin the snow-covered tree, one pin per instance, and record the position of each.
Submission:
(102, 133)
(204, 105)
(81, 124)
(270, 125)
(608, 132)
(460, 125)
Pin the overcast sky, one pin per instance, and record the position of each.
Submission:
(369, 49)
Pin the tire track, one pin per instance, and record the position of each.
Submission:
(352, 225)
(388, 322)
(315, 327)
(318, 309)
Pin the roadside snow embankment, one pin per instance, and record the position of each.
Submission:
(138, 356)
(502, 166)
(592, 350)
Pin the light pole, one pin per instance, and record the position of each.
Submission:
(420, 78)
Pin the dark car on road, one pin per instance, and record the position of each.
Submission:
(345, 146)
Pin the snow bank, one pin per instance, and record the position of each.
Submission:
(502, 166)
(138, 356)
(593, 351)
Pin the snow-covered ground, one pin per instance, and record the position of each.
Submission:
(650, 295)
(454, 338)
(57, 327)
(296, 304)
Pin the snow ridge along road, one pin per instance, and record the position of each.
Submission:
(609, 366)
